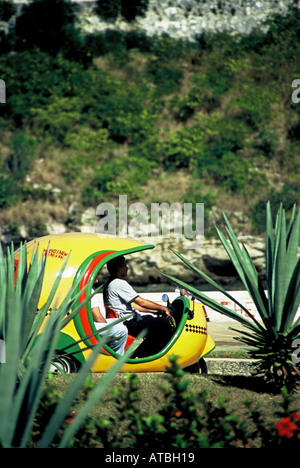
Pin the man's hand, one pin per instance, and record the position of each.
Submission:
(144, 305)
(166, 311)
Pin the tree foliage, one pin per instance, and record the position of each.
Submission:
(111, 9)
(48, 25)
(218, 109)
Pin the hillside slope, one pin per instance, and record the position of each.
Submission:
(158, 120)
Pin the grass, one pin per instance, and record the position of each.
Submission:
(230, 354)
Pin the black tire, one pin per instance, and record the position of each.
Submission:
(202, 366)
(66, 364)
(199, 367)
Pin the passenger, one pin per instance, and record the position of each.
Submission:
(120, 296)
(117, 334)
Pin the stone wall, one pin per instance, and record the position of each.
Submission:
(188, 18)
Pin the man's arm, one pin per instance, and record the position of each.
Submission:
(97, 316)
(145, 305)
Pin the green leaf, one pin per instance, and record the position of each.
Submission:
(269, 247)
(210, 302)
(246, 271)
(217, 286)
(292, 301)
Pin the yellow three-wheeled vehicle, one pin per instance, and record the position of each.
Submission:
(88, 253)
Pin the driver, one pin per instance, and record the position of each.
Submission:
(120, 296)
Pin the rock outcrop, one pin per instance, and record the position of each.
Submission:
(186, 19)
(208, 255)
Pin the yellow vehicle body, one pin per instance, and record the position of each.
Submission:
(88, 253)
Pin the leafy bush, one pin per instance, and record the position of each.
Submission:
(133, 9)
(110, 10)
(206, 90)
(107, 9)
(87, 139)
(232, 172)
(7, 10)
(213, 149)
(267, 142)
(19, 162)
(48, 25)
(7, 191)
(167, 78)
(116, 177)
(117, 43)
(254, 105)
(286, 196)
(53, 123)
(36, 80)
(182, 148)
(185, 420)
(16, 167)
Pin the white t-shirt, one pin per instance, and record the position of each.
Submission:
(97, 301)
(119, 295)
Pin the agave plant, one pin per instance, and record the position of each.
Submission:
(271, 336)
(28, 353)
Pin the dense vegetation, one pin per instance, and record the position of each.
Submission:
(92, 116)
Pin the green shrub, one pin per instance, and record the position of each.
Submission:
(168, 49)
(19, 162)
(116, 177)
(53, 123)
(231, 171)
(254, 105)
(38, 80)
(7, 191)
(48, 25)
(267, 142)
(288, 195)
(17, 165)
(7, 10)
(110, 10)
(182, 148)
(166, 77)
(133, 9)
(87, 139)
(107, 9)
(184, 419)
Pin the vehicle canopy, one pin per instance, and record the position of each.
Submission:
(87, 253)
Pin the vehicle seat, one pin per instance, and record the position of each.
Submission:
(111, 313)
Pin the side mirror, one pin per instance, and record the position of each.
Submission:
(165, 298)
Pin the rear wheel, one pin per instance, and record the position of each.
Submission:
(64, 364)
(199, 367)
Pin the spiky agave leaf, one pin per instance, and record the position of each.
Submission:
(271, 338)
(28, 359)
